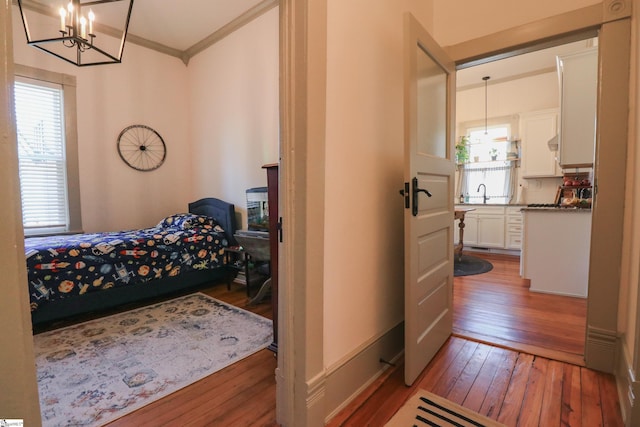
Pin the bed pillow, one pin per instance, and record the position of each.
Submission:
(187, 220)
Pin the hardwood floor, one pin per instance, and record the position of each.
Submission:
(531, 375)
(498, 308)
(243, 394)
(517, 389)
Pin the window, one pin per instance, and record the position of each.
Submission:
(491, 162)
(47, 151)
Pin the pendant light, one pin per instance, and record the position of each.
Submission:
(82, 32)
(486, 80)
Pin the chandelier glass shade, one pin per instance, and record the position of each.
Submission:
(82, 32)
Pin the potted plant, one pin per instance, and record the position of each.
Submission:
(462, 150)
(493, 153)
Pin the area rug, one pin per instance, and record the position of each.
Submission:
(92, 373)
(428, 409)
(469, 265)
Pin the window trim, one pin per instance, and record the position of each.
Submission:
(68, 83)
(513, 120)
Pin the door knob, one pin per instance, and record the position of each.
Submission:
(416, 191)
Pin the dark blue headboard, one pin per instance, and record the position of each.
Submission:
(224, 213)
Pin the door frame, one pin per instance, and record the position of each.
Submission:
(303, 69)
(613, 24)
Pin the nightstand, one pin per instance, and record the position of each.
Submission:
(249, 271)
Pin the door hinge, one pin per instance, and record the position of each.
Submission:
(279, 227)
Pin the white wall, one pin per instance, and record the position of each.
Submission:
(531, 93)
(363, 273)
(234, 111)
(364, 149)
(146, 88)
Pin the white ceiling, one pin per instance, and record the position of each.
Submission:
(171, 24)
(517, 65)
(180, 25)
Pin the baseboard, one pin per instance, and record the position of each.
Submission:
(601, 349)
(354, 373)
(627, 389)
(497, 251)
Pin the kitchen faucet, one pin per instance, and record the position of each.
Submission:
(484, 194)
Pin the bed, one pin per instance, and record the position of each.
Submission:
(81, 273)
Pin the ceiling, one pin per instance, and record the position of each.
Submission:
(181, 25)
(172, 28)
(517, 66)
(182, 29)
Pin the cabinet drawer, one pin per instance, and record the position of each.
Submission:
(514, 241)
(514, 210)
(514, 228)
(511, 219)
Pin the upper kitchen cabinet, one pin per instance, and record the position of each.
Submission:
(578, 74)
(536, 129)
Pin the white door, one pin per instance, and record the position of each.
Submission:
(428, 196)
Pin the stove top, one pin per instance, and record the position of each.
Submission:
(542, 205)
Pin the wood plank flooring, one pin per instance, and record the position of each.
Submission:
(498, 308)
(517, 389)
(243, 394)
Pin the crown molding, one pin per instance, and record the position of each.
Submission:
(251, 14)
(185, 55)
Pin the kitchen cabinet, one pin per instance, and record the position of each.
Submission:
(578, 75)
(484, 227)
(555, 252)
(470, 229)
(492, 227)
(536, 129)
(513, 228)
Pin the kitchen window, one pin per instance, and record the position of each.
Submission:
(47, 151)
(491, 161)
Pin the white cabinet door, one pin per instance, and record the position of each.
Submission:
(470, 230)
(470, 236)
(578, 75)
(491, 230)
(536, 129)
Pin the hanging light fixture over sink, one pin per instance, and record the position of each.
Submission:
(81, 32)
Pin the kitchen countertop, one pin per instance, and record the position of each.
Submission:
(524, 207)
(478, 205)
(555, 209)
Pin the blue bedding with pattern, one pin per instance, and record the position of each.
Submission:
(71, 265)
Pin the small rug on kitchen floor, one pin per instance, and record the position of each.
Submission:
(94, 372)
(427, 409)
(470, 265)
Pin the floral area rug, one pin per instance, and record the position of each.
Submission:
(92, 373)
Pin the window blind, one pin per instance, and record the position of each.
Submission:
(41, 156)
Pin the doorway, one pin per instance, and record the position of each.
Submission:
(614, 35)
(520, 94)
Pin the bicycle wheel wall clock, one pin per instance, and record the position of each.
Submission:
(141, 147)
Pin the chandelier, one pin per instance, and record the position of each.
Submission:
(82, 32)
